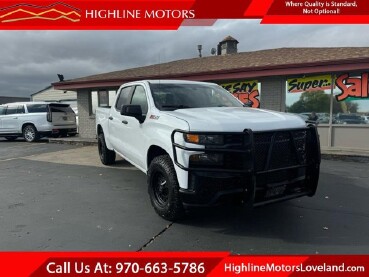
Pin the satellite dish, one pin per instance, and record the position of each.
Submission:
(213, 51)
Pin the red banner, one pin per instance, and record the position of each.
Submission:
(171, 14)
(177, 264)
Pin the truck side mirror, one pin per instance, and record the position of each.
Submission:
(133, 111)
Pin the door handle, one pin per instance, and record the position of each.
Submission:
(111, 118)
(124, 121)
(15, 117)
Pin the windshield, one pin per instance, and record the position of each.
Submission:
(169, 97)
(61, 108)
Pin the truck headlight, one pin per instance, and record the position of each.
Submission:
(207, 158)
(204, 139)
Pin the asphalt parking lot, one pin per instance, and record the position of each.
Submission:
(59, 197)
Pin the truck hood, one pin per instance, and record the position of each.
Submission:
(234, 119)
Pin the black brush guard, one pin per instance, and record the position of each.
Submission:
(258, 167)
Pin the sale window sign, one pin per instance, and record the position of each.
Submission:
(245, 91)
(353, 88)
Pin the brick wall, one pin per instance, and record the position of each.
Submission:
(86, 121)
(273, 93)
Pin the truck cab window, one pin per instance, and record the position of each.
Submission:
(139, 98)
(123, 97)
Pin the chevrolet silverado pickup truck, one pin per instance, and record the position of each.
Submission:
(200, 146)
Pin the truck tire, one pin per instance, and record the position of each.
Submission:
(30, 133)
(107, 156)
(164, 188)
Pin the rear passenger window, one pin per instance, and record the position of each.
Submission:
(2, 110)
(11, 110)
(37, 108)
(21, 109)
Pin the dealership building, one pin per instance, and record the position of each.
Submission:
(332, 82)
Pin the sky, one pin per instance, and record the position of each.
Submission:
(31, 60)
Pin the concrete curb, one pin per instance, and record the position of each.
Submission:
(74, 141)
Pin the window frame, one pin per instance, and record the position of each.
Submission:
(147, 100)
(129, 98)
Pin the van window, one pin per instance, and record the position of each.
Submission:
(11, 110)
(61, 109)
(37, 108)
(21, 109)
(2, 110)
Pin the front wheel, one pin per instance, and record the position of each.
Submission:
(107, 156)
(164, 188)
(30, 133)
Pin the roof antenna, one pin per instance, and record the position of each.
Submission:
(61, 77)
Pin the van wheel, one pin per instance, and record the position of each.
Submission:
(164, 188)
(30, 133)
(107, 156)
(11, 138)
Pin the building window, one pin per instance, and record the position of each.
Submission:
(351, 97)
(247, 91)
(349, 102)
(101, 98)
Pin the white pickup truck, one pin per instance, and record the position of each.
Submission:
(200, 146)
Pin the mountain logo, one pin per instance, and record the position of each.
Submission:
(52, 12)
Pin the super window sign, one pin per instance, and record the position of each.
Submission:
(245, 91)
(311, 83)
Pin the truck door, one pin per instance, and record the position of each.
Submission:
(117, 130)
(136, 137)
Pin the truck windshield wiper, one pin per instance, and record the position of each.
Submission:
(175, 107)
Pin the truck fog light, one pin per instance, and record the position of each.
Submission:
(207, 158)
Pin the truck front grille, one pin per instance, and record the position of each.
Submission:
(279, 149)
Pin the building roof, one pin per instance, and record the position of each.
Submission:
(48, 87)
(229, 38)
(247, 64)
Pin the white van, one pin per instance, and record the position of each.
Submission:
(33, 120)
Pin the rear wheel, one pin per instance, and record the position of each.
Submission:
(30, 133)
(107, 156)
(11, 138)
(164, 188)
